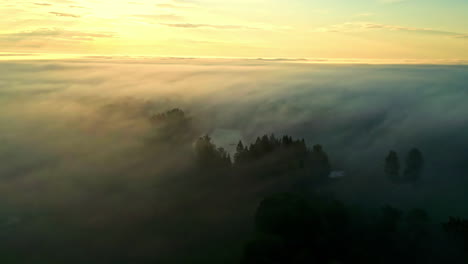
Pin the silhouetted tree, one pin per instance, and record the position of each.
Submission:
(275, 155)
(337, 217)
(417, 221)
(241, 153)
(224, 157)
(209, 156)
(265, 249)
(286, 215)
(173, 126)
(291, 229)
(390, 219)
(392, 166)
(417, 217)
(457, 229)
(286, 226)
(319, 163)
(414, 165)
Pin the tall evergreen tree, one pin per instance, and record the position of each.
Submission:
(319, 163)
(240, 155)
(209, 156)
(392, 166)
(414, 165)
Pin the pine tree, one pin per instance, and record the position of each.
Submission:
(320, 165)
(239, 156)
(414, 165)
(392, 166)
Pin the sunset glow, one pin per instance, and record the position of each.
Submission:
(425, 31)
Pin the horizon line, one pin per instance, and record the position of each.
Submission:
(29, 56)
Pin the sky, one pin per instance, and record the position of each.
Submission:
(424, 30)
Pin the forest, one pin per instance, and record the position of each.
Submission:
(294, 224)
(260, 204)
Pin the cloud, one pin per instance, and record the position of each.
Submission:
(63, 1)
(64, 14)
(177, 4)
(55, 33)
(43, 4)
(352, 27)
(282, 59)
(74, 155)
(76, 6)
(15, 54)
(213, 26)
(264, 27)
(166, 5)
(171, 6)
(172, 17)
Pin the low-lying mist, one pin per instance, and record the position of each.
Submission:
(77, 146)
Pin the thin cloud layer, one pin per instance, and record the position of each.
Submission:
(159, 17)
(353, 27)
(64, 14)
(53, 33)
(276, 30)
(43, 4)
(189, 25)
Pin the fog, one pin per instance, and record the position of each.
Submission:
(74, 140)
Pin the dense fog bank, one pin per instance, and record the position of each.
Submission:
(77, 143)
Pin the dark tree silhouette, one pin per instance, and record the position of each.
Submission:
(417, 221)
(281, 151)
(209, 156)
(292, 229)
(286, 225)
(392, 166)
(265, 249)
(417, 217)
(414, 165)
(241, 153)
(286, 215)
(173, 126)
(319, 163)
(457, 227)
(390, 219)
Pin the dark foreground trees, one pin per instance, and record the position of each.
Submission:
(392, 166)
(292, 229)
(267, 156)
(286, 226)
(414, 165)
(200, 217)
(173, 127)
(208, 155)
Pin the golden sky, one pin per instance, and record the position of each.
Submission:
(332, 29)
